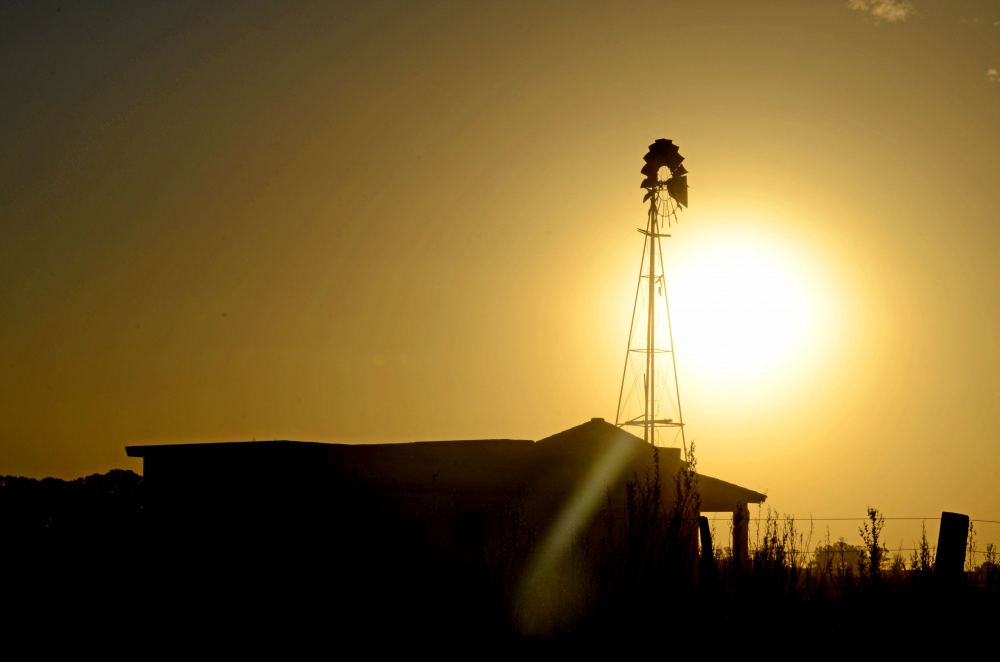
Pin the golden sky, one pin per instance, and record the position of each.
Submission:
(382, 221)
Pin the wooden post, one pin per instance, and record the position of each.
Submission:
(707, 571)
(952, 539)
(741, 535)
(706, 538)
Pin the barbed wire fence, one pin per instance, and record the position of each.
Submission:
(975, 555)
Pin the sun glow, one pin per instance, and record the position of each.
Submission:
(746, 305)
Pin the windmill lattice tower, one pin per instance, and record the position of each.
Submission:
(649, 397)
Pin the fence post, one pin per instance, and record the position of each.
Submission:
(952, 539)
(707, 570)
(706, 537)
(741, 535)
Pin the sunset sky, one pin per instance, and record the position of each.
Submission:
(398, 221)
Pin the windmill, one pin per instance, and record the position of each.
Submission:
(649, 397)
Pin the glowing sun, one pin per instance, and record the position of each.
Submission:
(745, 305)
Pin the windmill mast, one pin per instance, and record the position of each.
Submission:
(652, 225)
(656, 408)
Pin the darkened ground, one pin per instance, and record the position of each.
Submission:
(83, 570)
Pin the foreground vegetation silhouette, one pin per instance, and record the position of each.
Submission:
(82, 564)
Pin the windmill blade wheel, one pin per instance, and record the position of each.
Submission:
(664, 153)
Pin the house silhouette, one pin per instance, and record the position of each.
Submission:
(440, 539)
(287, 487)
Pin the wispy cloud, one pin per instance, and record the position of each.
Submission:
(890, 11)
(993, 74)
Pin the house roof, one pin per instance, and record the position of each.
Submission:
(474, 469)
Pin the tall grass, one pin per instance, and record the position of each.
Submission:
(639, 566)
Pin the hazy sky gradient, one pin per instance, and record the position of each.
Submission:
(382, 221)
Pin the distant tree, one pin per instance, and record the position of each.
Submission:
(30, 506)
(841, 558)
(897, 567)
